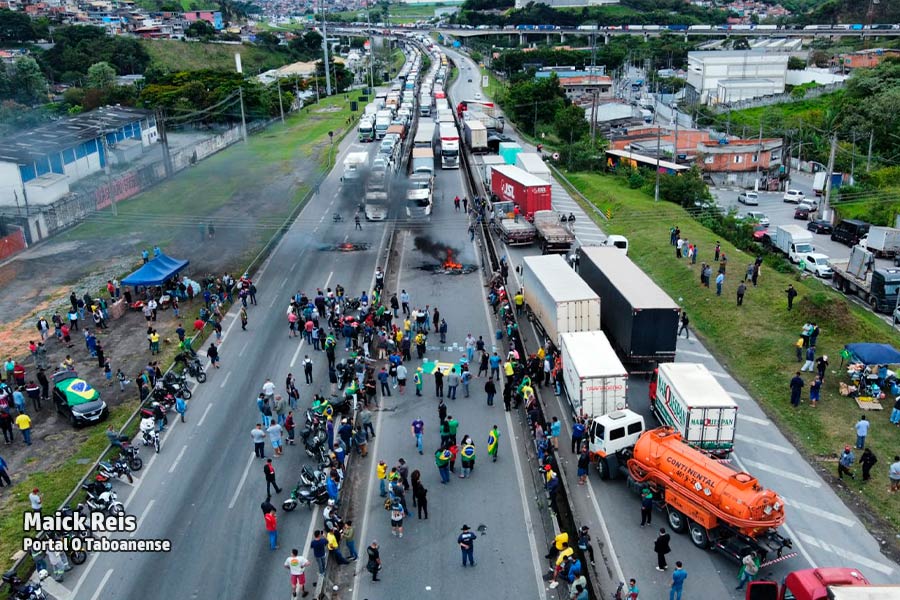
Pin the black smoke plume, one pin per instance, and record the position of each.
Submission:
(435, 250)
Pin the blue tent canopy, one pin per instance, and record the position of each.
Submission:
(156, 271)
(874, 354)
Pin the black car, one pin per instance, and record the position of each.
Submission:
(819, 226)
(802, 213)
(77, 400)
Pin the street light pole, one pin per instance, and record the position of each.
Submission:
(325, 49)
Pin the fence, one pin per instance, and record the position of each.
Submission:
(777, 98)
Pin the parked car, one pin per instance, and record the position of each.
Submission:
(897, 315)
(794, 196)
(817, 264)
(849, 232)
(760, 232)
(748, 198)
(758, 217)
(819, 226)
(810, 205)
(802, 213)
(77, 400)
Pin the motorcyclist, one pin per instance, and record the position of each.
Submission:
(331, 518)
(363, 300)
(379, 279)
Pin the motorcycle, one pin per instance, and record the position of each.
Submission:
(306, 495)
(314, 444)
(101, 498)
(68, 511)
(176, 384)
(25, 590)
(192, 366)
(130, 454)
(116, 468)
(76, 557)
(149, 435)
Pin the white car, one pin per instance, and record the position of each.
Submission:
(757, 217)
(748, 198)
(478, 95)
(808, 204)
(794, 196)
(817, 264)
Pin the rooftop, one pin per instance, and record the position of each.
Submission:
(29, 145)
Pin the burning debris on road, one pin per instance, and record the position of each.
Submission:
(446, 257)
(344, 247)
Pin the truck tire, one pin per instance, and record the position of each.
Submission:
(699, 535)
(603, 469)
(677, 521)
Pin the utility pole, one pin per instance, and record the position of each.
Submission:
(240, 69)
(826, 195)
(280, 104)
(106, 169)
(758, 154)
(658, 140)
(325, 49)
(675, 143)
(853, 158)
(800, 148)
(869, 156)
(164, 141)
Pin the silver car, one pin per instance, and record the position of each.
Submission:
(748, 198)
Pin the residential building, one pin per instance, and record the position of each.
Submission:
(742, 74)
(566, 3)
(214, 18)
(40, 164)
(863, 59)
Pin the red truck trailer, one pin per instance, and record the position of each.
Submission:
(512, 184)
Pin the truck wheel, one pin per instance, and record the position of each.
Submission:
(677, 521)
(699, 536)
(873, 302)
(603, 469)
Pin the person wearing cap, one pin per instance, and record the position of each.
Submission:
(646, 507)
(466, 541)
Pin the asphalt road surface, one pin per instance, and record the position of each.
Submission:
(825, 531)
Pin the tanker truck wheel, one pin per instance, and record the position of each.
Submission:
(699, 536)
(677, 521)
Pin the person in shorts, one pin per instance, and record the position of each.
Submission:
(296, 564)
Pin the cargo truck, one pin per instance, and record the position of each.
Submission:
(511, 231)
(422, 161)
(881, 241)
(509, 151)
(557, 300)
(397, 129)
(486, 162)
(354, 166)
(382, 122)
(424, 137)
(552, 235)
(509, 183)
(534, 164)
(794, 241)
(366, 130)
(821, 178)
(484, 111)
(594, 379)
(689, 399)
(476, 136)
(639, 318)
(449, 146)
(722, 509)
(829, 583)
(855, 276)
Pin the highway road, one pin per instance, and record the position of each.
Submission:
(826, 532)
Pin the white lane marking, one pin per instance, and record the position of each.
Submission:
(846, 554)
(142, 517)
(91, 562)
(177, 459)
(102, 583)
(243, 348)
(346, 237)
(224, 381)
(756, 420)
(203, 418)
(283, 282)
(241, 483)
(315, 229)
(272, 301)
(322, 218)
(814, 510)
(293, 266)
(230, 327)
(693, 353)
(762, 444)
(330, 275)
(297, 353)
(782, 473)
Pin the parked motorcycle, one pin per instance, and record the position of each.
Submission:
(25, 590)
(175, 384)
(68, 511)
(192, 366)
(149, 435)
(101, 498)
(130, 454)
(76, 557)
(314, 443)
(116, 468)
(306, 495)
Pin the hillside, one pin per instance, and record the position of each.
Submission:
(174, 55)
(855, 11)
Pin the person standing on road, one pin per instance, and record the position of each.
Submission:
(578, 430)
(419, 494)
(684, 326)
(442, 461)
(417, 379)
(633, 591)
(452, 383)
(348, 537)
(796, 387)
(308, 369)
(269, 472)
(584, 462)
(646, 507)
(493, 443)
(584, 543)
(319, 547)
(275, 433)
(438, 383)
(401, 378)
(791, 294)
(678, 577)
(356, 221)
(661, 547)
(417, 427)
(259, 441)
(862, 430)
(845, 461)
(296, 564)
(491, 390)
(749, 569)
(373, 565)
(466, 541)
(272, 529)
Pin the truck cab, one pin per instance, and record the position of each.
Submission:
(849, 231)
(610, 439)
(815, 584)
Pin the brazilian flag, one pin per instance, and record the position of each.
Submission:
(493, 440)
(78, 391)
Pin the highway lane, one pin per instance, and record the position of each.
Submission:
(207, 502)
(825, 530)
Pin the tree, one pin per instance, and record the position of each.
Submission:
(200, 29)
(101, 75)
(16, 26)
(795, 63)
(570, 125)
(684, 189)
(29, 82)
(307, 46)
(267, 40)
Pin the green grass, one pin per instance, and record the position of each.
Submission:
(176, 55)
(755, 342)
(263, 156)
(779, 115)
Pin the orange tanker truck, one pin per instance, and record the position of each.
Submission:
(723, 509)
